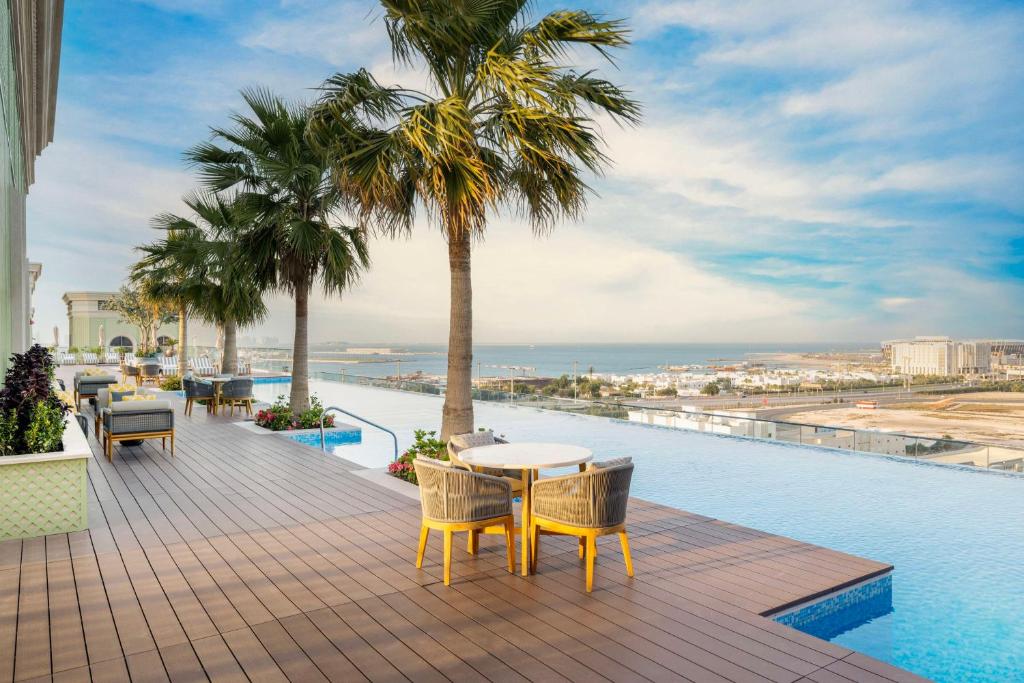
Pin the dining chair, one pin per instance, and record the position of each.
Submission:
(587, 504)
(454, 499)
(238, 392)
(460, 442)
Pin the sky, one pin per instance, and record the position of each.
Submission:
(805, 171)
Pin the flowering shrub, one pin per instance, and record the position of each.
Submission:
(279, 417)
(424, 443)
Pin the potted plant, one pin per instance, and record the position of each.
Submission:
(43, 453)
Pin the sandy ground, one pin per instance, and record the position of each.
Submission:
(991, 417)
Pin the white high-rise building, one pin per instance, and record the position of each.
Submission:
(939, 356)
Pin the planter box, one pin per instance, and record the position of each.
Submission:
(45, 493)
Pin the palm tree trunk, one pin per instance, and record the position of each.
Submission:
(229, 364)
(300, 351)
(182, 341)
(457, 416)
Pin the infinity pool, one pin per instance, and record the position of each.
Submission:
(956, 537)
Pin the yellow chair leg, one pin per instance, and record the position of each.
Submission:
(473, 542)
(591, 554)
(424, 532)
(534, 547)
(172, 444)
(163, 443)
(510, 545)
(447, 557)
(583, 547)
(625, 553)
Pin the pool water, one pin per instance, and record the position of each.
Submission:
(333, 438)
(955, 536)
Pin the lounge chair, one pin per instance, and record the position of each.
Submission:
(461, 442)
(65, 358)
(196, 391)
(86, 386)
(105, 397)
(237, 392)
(129, 358)
(90, 358)
(111, 358)
(136, 421)
(586, 505)
(454, 499)
(201, 366)
(169, 365)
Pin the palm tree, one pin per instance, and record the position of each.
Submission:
(200, 265)
(504, 124)
(163, 279)
(295, 240)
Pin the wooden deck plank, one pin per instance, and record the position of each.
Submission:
(250, 557)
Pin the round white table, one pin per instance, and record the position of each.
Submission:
(528, 458)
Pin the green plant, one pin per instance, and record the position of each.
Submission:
(8, 431)
(72, 349)
(424, 443)
(45, 428)
(171, 383)
(33, 414)
(279, 416)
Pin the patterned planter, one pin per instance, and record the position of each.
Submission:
(45, 493)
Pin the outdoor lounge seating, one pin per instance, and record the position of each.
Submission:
(65, 358)
(107, 396)
(136, 421)
(461, 442)
(111, 358)
(90, 358)
(586, 505)
(237, 392)
(454, 499)
(202, 366)
(196, 391)
(86, 386)
(129, 358)
(169, 365)
(149, 372)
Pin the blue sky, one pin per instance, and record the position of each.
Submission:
(805, 171)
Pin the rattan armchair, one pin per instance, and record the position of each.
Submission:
(586, 505)
(196, 391)
(460, 442)
(135, 421)
(237, 392)
(455, 499)
(87, 386)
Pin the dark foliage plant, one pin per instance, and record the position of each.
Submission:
(31, 414)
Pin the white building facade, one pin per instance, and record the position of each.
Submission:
(939, 356)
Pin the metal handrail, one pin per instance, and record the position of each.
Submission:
(323, 438)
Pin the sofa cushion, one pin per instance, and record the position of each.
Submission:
(136, 406)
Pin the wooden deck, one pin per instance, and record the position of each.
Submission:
(250, 557)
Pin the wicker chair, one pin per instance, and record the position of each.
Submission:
(149, 372)
(237, 392)
(460, 442)
(130, 372)
(454, 499)
(87, 386)
(104, 398)
(585, 505)
(196, 392)
(135, 421)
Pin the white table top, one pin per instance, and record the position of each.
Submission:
(526, 455)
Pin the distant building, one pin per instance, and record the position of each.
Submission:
(938, 356)
(87, 311)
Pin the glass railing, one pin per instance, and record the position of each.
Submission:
(738, 423)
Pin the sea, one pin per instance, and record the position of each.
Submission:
(553, 360)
